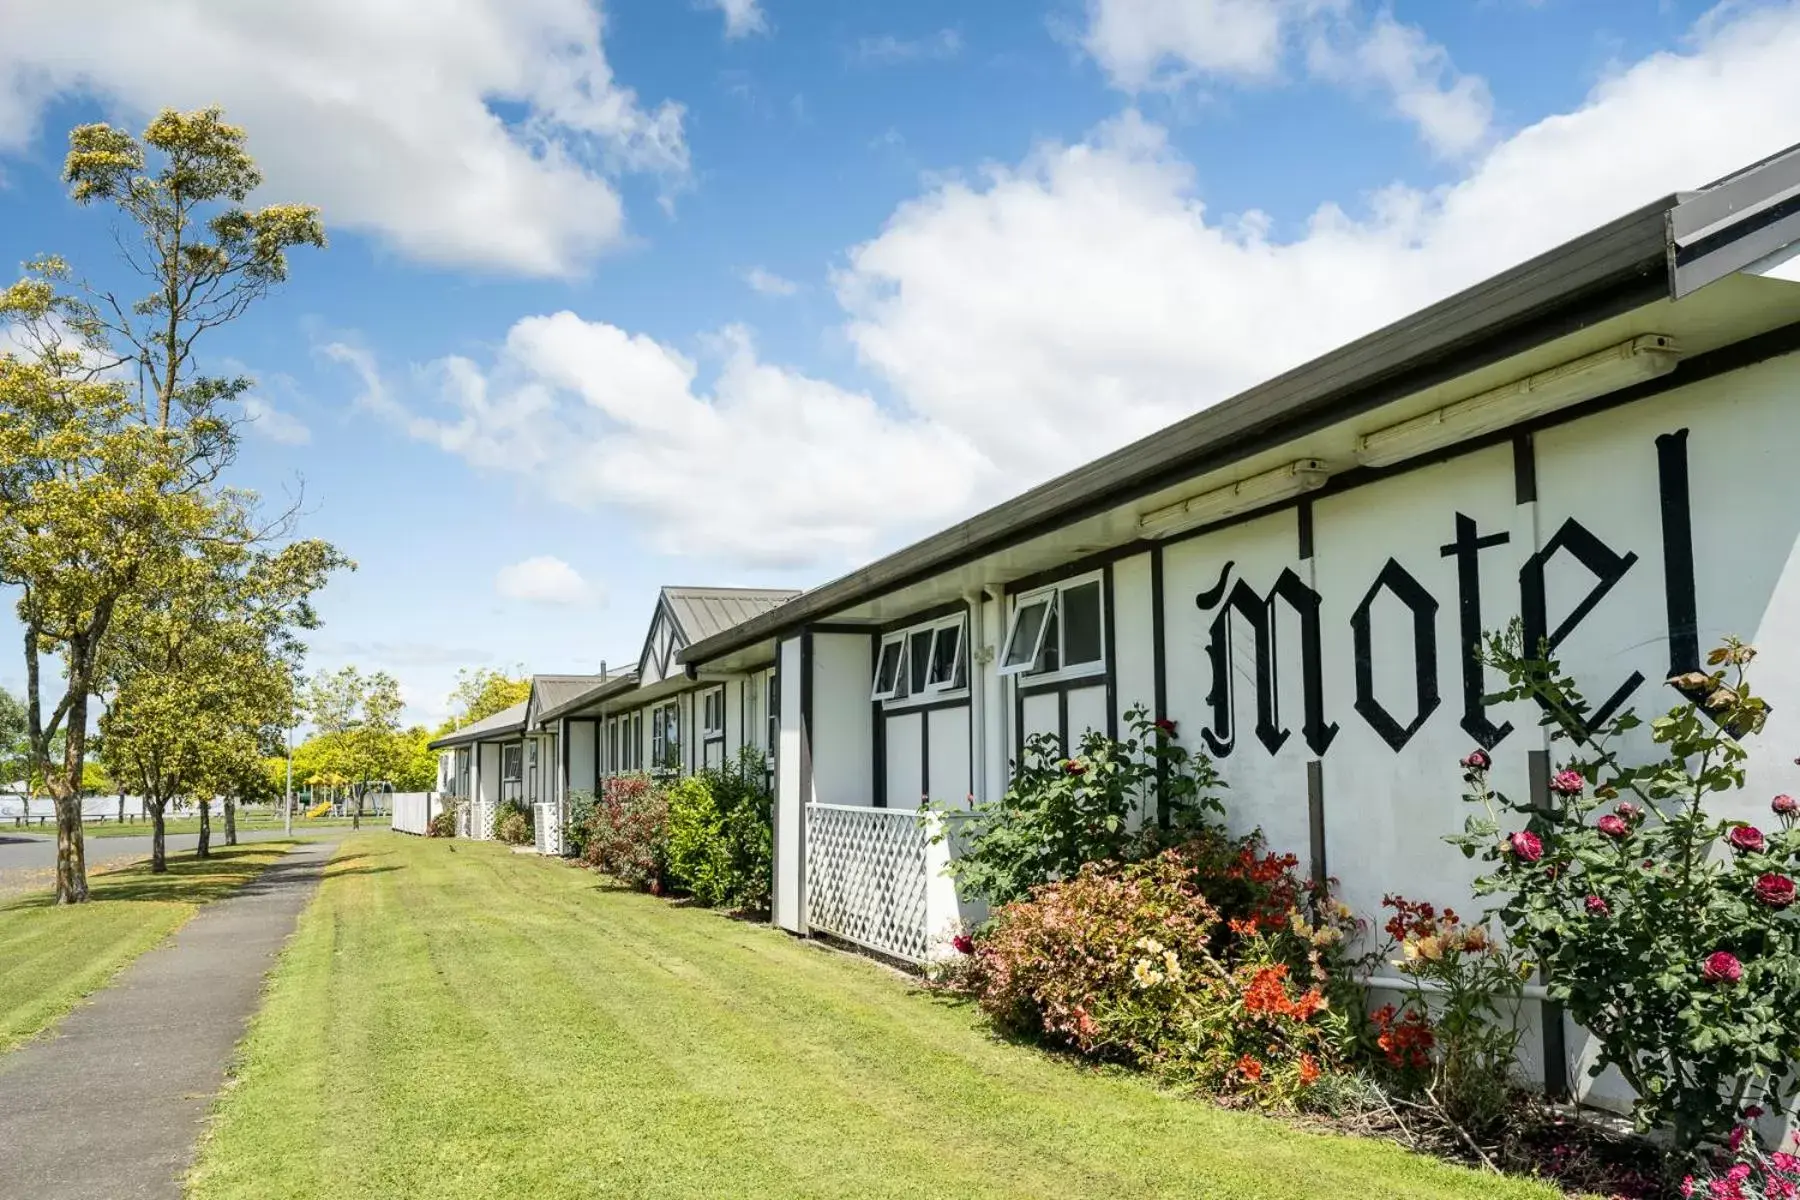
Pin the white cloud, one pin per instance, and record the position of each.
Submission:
(386, 115)
(1052, 310)
(1145, 44)
(767, 283)
(742, 17)
(272, 423)
(544, 580)
(766, 465)
(1033, 316)
(887, 49)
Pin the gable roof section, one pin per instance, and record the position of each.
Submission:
(696, 613)
(601, 689)
(550, 691)
(503, 724)
(1661, 251)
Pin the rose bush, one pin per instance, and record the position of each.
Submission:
(1666, 931)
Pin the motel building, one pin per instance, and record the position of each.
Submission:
(1602, 443)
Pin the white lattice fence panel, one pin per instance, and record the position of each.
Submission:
(547, 830)
(865, 877)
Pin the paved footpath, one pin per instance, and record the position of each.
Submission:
(110, 1104)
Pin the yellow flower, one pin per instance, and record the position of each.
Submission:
(1172, 964)
(1430, 948)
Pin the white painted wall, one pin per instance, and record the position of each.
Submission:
(949, 786)
(583, 748)
(843, 733)
(1134, 661)
(789, 883)
(904, 767)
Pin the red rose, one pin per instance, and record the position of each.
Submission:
(1597, 907)
(1776, 891)
(1073, 767)
(963, 943)
(1722, 966)
(1613, 826)
(1785, 805)
(1165, 727)
(1747, 838)
(1526, 845)
(1477, 760)
(1567, 783)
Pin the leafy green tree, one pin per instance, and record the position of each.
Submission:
(360, 716)
(482, 693)
(199, 672)
(103, 482)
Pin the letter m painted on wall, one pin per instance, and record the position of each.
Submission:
(1259, 614)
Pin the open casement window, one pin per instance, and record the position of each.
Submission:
(1059, 629)
(921, 661)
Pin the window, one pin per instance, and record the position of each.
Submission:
(636, 741)
(665, 737)
(772, 706)
(713, 713)
(922, 661)
(509, 762)
(1061, 628)
(531, 751)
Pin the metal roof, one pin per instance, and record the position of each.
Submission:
(550, 691)
(503, 723)
(1620, 266)
(703, 612)
(598, 689)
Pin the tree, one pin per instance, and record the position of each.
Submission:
(100, 480)
(15, 766)
(200, 671)
(359, 716)
(484, 692)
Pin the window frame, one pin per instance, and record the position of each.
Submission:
(902, 695)
(513, 752)
(1031, 672)
(708, 731)
(666, 751)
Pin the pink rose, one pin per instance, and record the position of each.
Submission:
(1627, 810)
(1613, 826)
(1526, 845)
(1776, 891)
(1747, 838)
(1073, 767)
(1567, 783)
(963, 943)
(1477, 760)
(1597, 907)
(1722, 966)
(1787, 1164)
(1784, 805)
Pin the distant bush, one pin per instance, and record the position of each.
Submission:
(443, 823)
(721, 835)
(512, 825)
(575, 829)
(627, 834)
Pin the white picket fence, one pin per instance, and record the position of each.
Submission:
(413, 811)
(875, 876)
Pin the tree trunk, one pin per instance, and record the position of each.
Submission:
(71, 849)
(204, 849)
(356, 813)
(121, 808)
(230, 821)
(159, 851)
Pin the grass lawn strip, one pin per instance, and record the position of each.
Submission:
(51, 957)
(455, 1020)
(186, 825)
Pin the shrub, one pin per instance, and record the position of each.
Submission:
(721, 836)
(1668, 933)
(1453, 1039)
(1133, 963)
(513, 826)
(575, 828)
(443, 822)
(1061, 812)
(628, 833)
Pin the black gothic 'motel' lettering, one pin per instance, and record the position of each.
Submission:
(1258, 612)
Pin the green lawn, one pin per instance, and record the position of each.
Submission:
(51, 957)
(454, 1020)
(191, 824)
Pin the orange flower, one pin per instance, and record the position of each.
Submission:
(1250, 1069)
(1309, 1070)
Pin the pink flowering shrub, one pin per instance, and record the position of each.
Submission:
(1135, 963)
(1742, 1171)
(1668, 933)
(628, 833)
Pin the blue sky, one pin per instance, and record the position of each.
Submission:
(749, 291)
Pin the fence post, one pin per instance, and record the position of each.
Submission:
(1556, 1051)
